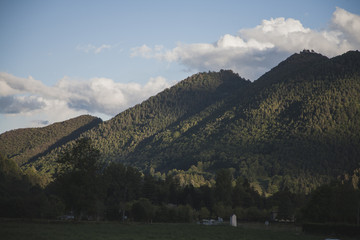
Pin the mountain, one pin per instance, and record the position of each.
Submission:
(28, 144)
(120, 136)
(295, 127)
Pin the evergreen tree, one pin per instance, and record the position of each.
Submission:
(223, 186)
(79, 184)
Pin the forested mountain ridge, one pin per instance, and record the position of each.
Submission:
(188, 97)
(120, 135)
(295, 65)
(307, 65)
(296, 127)
(24, 145)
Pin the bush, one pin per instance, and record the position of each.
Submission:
(185, 213)
(240, 213)
(182, 213)
(255, 214)
(142, 210)
(204, 213)
(222, 211)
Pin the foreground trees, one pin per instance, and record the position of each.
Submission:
(336, 203)
(122, 185)
(79, 181)
(21, 194)
(89, 189)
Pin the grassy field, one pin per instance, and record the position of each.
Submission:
(11, 230)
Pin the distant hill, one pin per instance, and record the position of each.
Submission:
(28, 144)
(295, 127)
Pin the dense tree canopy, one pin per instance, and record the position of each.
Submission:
(91, 190)
(295, 128)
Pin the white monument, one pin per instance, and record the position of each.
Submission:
(233, 220)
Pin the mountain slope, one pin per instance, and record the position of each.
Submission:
(295, 127)
(118, 137)
(165, 109)
(25, 145)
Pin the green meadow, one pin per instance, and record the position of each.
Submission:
(17, 230)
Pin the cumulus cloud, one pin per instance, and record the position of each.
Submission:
(142, 51)
(106, 96)
(11, 85)
(347, 24)
(16, 104)
(71, 97)
(254, 51)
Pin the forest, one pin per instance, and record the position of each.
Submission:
(86, 189)
(294, 128)
(284, 148)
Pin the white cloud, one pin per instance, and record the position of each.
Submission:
(89, 48)
(10, 85)
(69, 98)
(256, 50)
(103, 95)
(142, 51)
(102, 47)
(347, 23)
(290, 36)
(16, 104)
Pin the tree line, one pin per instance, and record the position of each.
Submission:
(86, 188)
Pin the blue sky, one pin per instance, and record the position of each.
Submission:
(61, 59)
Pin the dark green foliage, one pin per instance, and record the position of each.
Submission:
(21, 194)
(335, 202)
(223, 186)
(82, 157)
(295, 128)
(9, 169)
(142, 210)
(91, 190)
(122, 185)
(245, 196)
(25, 145)
(79, 182)
(281, 137)
(286, 204)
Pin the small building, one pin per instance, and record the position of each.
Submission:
(233, 220)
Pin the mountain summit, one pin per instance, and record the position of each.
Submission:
(295, 65)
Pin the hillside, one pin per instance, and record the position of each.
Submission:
(296, 127)
(121, 135)
(28, 144)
